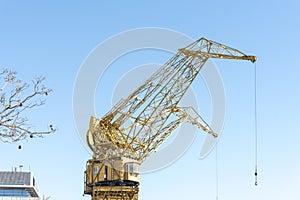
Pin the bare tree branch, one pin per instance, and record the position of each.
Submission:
(16, 97)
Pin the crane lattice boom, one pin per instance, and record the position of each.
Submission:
(139, 124)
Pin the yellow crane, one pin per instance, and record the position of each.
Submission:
(137, 126)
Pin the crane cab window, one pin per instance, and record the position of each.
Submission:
(96, 170)
(132, 168)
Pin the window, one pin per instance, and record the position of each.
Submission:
(96, 170)
(133, 168)
(14, 193)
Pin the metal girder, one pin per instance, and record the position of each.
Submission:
(135, 126)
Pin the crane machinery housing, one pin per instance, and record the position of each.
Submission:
(137, 126)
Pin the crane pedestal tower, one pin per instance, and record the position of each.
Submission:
(137, 126)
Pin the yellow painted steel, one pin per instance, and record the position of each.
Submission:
(135, 127)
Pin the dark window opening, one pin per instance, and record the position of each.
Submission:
(105, 173)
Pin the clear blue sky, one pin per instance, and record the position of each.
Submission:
(53, 38)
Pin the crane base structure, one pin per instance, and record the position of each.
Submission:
(115, 193)
(111, 180)
(137, 126)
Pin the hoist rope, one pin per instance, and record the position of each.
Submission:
(255, 125)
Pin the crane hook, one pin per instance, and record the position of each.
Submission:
(256, 177)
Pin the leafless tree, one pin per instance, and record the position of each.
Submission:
(17, 97)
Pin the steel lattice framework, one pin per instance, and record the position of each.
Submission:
(139, 124)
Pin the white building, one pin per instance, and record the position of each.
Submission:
(18, 185)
